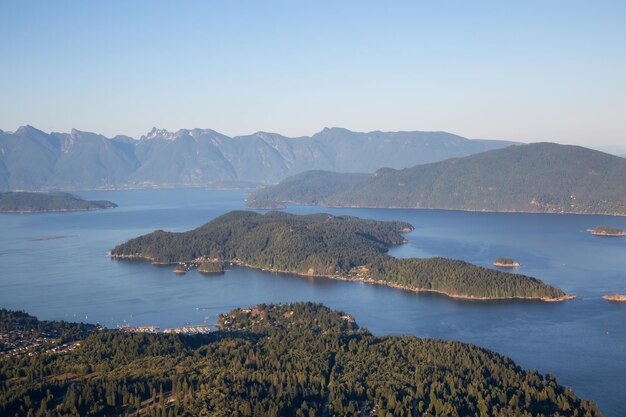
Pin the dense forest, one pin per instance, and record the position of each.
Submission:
(278, 360)
(539, 177)
(211, 267)
(320, 244)
(310, 188)
(24, 202)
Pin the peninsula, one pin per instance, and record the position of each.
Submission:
(27, 202)
(345, 248)
(608, 231)
(298, 359)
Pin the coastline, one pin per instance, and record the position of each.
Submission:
(439, 208)
(52, 211)
(365, 280)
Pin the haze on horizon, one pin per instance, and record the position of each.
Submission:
(530, 71)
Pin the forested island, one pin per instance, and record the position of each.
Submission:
(608, 231)
(300, 359)
(26, 202)
(347, 248)
(209, 267)
(534, 178)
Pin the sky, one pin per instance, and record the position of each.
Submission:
(518, 70)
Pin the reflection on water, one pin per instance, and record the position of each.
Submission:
(582, 341)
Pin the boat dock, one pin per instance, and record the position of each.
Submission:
(190, 329)
(140, 329)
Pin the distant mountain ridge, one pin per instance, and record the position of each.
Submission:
(540, 177)
(34, 160)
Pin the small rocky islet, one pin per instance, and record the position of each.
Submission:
(506, 263)
(608, 231)
(615, 297)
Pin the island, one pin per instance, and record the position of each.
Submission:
(337, 247)
(615, 297)
(27, 202)
(179, 270)
(298, 359)
(506, 263)
(608, 231)
(211, 267)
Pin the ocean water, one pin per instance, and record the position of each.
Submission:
(55, 266)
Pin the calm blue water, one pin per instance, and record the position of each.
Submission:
(582, 341)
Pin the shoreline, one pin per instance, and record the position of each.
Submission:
(357, 279)
(606, 234)
(441, 208)
(53, 211)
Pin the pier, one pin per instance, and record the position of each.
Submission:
(190, 329)
(140, 329)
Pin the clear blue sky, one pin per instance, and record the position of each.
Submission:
(526, 70)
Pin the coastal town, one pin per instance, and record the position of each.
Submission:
(18, 341)
(22, 334)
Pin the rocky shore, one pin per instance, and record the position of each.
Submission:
(356, 278)
(615, 297)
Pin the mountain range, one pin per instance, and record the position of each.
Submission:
(539, 177)
(31, 159)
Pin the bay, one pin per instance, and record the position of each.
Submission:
(55, 266)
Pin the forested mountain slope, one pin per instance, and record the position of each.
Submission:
(311, 187)
(539, 177)
(279, 360)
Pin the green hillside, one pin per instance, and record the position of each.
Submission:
(339, 247)
(311, 187)
(299, 360)
(539, 178)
